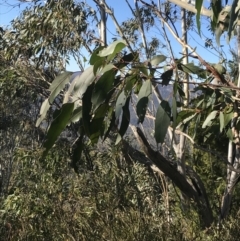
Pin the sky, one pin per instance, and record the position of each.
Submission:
(11, 9)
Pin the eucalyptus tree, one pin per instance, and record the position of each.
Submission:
(99, 100)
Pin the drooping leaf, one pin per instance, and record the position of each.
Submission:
(59, 123)
(233, 18)
(76, 115)
(98, 65)
(228, 115)
(95, 56)
(71, 87)
(58, 84)
(209, 119)
(166, 77)
(86, 109)
(198, 6)
(143, 68)
(216, 6)
(220, 68)
(102, 87)
(113, 48)
(82, 83)
(191, 68)
(143, 97)
(97, 125)
(185, 116)
(130, 82)
(221, 118)
(43, 111)
(119, 104)
(109, 123)
(162, 121)
(230, 134)
(156, 60)
(125, 120)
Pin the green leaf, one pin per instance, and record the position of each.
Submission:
(198, 6)
(107, 68)
(156, 60)
(59, 123)
(162, 121)
(220, 68)
(130, 82)
(230, 134)
(233, 18)
(86, 109)
(209, 119)
(191, 68)
(43, 111)
(228, 115)
(142, 68)
(76, 115)
(95, 56)
(166, 77)
(96, 125)
(143, 97)
(58, 84)
(125, 120)
(102, 87)
(221, 118)
(113, 48)
(185, 116)
(109, 123)
(119, 104)
(82, 82)
(98, 65)
(70, 89)
(216, 6)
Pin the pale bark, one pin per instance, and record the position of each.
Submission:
(103, 33)
(233, 153)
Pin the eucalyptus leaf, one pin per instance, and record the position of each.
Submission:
(82, 82)
(58, 125)
(162, 121)
(209, 119)
(143, 97)
(121, 100)
(221, 118)
(58, 84)
(125, 120)
(156, 60)
(113, 48)
(43, 111)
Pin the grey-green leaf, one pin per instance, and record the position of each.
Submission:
(58, 124)
(143, 98)
(198, 6)
(162, 121)
(113, 48)
(209, 119)
(221, 118)
(58, 84)
(119, 104)
(82, 82)
(156, 60)
(43, 111)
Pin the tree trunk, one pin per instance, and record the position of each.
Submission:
(233, 152)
